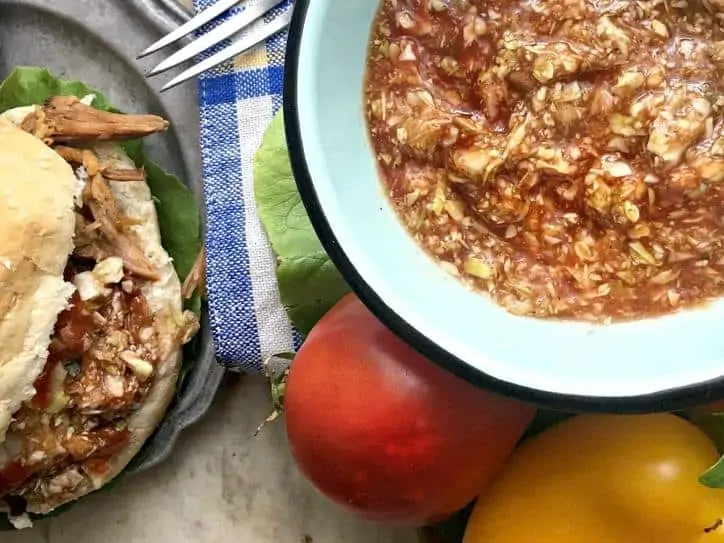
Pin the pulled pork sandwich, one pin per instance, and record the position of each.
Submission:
(92, 323)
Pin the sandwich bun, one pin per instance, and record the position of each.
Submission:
(164, 299)
(37, 190)
(38, 195)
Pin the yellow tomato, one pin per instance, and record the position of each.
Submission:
(604, 479)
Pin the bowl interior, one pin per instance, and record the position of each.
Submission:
(350, 209)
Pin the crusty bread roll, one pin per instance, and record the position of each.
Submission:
(37, 189)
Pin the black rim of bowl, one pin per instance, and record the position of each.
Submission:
(667, 400)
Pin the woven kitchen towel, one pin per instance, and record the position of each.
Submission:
(237, 101)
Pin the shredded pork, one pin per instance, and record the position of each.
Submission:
(97, 196)
(66, 119)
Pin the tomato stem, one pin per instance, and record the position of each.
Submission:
(276, 369)
(714, 526)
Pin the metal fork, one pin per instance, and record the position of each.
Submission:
(222, 32)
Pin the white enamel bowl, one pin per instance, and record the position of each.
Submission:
(653, 364)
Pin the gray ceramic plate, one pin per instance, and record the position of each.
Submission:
(96, 41)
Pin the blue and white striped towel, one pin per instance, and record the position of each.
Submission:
(237, 101)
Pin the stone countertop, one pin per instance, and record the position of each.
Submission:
(220, 485)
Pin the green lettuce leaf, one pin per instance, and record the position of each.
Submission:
(29, 85)
(714, 476)
(712, 424)
(178, 214)
(309, 284)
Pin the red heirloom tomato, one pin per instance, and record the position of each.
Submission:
(384, 432)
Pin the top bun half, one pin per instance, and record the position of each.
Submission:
(37, 189)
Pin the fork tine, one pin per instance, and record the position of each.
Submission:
(194, 23)
(217, 35)
(245, 42)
